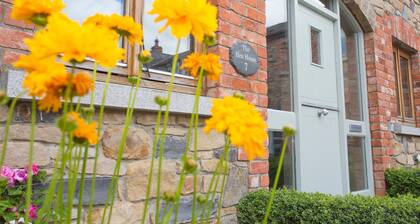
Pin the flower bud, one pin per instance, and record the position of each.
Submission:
(210, 40)
(145, 57)
(88, 110)
(201, 199)
(3, 97)
(40, 19)
(239, 95)
(289, 131)
(169, 196)
(67, 123)
(190, 165)
(161, 101)
(133, 79)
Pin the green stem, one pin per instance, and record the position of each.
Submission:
(226, 173)
(92, 94)
(150, 179)
(30, 159)
(7, 128)
(165, 123)
(82, 184)
(276, 180)
(100, 124)
(74, 163)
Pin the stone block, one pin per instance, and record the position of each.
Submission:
(17, 154)
(114, 117)
(137, 178)
(236, 186)
(210, 141)
(174, 147)
(138, 143)
(209, 165)
(3, 113)
(123, 213)
(104, 167)
(233, 154)
(43, 133)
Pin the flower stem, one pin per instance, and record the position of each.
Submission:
(7, 128)
(100, 124)
(150, 179)
(225, 176)
(82, 184)
(28, 196)
(165, 123)
(276, 180)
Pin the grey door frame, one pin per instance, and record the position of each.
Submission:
(277, 119)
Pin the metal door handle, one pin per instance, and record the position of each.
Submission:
(322, 112)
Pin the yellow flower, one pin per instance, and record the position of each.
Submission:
(210, 63)
(123, 25)
(74, 42)
(28, 10)
(243, 124)
(185, 17)
(85, 132)
(82, 84)
(50, 102)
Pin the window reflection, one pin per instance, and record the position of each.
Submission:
(279, 77)
(357, 163)
(162, 45)
(79, 10)
(287, 176)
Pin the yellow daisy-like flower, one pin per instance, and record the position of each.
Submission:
(28, 10)
(243, 124)
(185, 17)
(123, 25)
(210, 63)
(85, 132)
(74, 42)
(50, 102)
(82, 84)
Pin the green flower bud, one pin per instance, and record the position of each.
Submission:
(201, 199)
(169, 196)
(239, 95)
(87, 111)
(145, 57)
(67, 124)
(161, 101)
(40, 19)
(190, 165)
(210, 41)
(3, 97)
(133, 79)
(289, 131)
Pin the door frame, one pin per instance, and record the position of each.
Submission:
(277, 119)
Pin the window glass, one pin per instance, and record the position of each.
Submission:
(162, 45)
(324, 3)
(357, 163)
(287, 177)
(316, 46)
(79, 10)
(352, 91)
(397, 84)
(278, 72)
(406, 89)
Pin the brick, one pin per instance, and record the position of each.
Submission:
(258, 167)
(12, 38)
(264, 181)
(10, 57)
(9, 21)
(254, 181)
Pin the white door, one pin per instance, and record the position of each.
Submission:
(319, 105)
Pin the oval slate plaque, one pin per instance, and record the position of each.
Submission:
(244, 59)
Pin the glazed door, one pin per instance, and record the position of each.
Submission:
(319, 105)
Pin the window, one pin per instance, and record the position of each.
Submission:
(287, 176)
(316, 46)
(325, 3)
(404, 86)
(161, 45)
(357, 163)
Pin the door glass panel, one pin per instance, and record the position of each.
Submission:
(316, 46)
(352, 92)
(324, 3)
(357, 163)
(287, 177)
(79, 10)
(396, 84)
(278, 72)
(162, 45)
(406, 90)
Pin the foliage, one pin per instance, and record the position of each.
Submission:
(403, 181)
(296, 207)
(12, 193)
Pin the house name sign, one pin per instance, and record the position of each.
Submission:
(244, 59)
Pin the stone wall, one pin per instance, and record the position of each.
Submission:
(136, 160)
(406, 148)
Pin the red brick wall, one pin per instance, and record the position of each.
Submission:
(382, 88)
(243, 20)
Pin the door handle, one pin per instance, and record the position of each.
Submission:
(322, 112)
